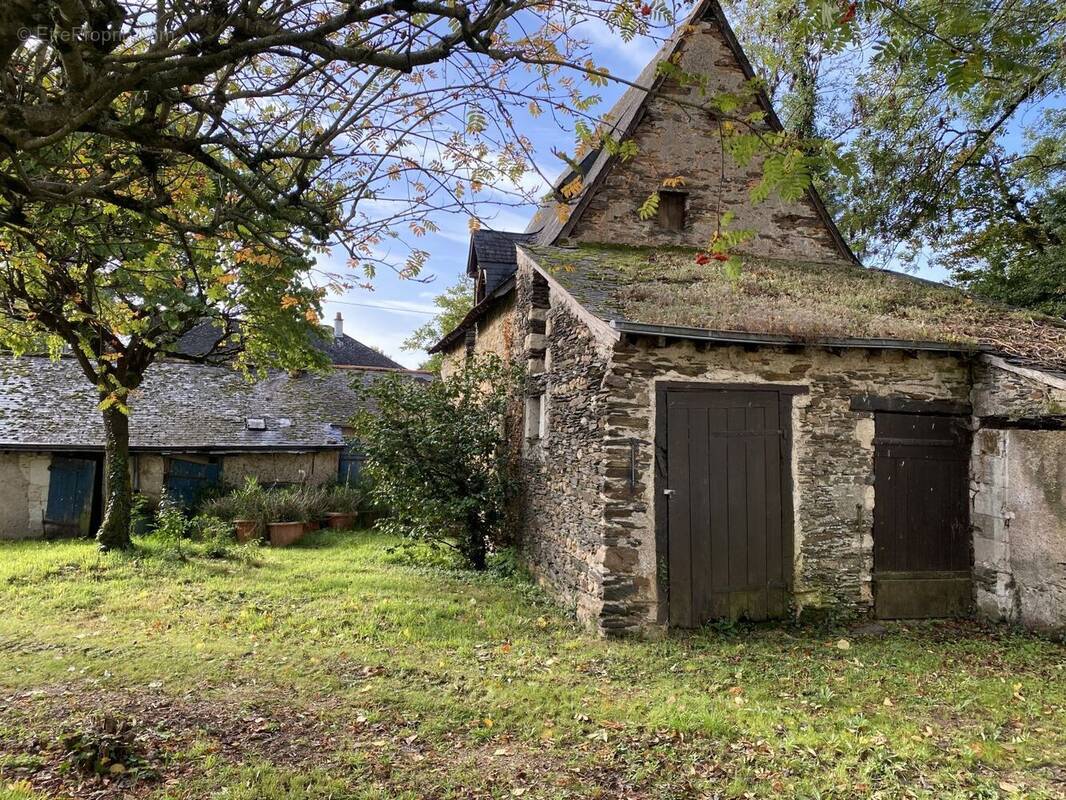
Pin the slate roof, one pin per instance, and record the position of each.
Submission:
(794, 302)
(49, 405)
(344, 351)
(494, 252)
(202, 339)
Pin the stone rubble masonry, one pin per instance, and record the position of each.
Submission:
(589, 536)
(495, 334)
(674, 140)
(1018, 484)
(832, 460)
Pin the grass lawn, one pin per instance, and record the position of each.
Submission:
(330, 670)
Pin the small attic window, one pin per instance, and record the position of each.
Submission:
(255, 423)
(672, 210)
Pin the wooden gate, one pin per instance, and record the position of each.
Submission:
(922, 558)
(186, 481)
(727, 511)
(70, 497)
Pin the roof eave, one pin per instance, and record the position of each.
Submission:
(777, 339)
(472, 316)
(47, 447)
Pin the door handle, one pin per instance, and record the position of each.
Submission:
(668, 492)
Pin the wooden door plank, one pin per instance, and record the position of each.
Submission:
(699, 514)
(719, 498)
(679, 504)
(921, 527)
(755, 467)
(737, 502)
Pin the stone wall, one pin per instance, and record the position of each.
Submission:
(832, 459)
(24, 479)
(315, 468)
(561, 508)
(1019, 483)
(678, 141)
(1019, 497)
(495, 334)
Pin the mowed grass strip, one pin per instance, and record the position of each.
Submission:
(334, 670)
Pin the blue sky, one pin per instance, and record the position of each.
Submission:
(385, 315)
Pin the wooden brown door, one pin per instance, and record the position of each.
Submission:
(727, 504)
(922, 561)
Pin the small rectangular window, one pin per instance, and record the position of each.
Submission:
(672, 210)
(536, 420)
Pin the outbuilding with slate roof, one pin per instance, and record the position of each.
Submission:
(807, 437)
(192, 426)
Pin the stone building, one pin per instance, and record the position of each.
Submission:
(192, 426)
(809, 436)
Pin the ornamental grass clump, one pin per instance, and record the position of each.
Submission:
(345, 499)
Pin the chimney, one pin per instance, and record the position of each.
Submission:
(338, 326)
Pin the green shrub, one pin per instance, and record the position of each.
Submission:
(250, 502)
(314, 500)
(213, 535)
(143, 514)
(437, 455)
(171, 524)
(204, 535)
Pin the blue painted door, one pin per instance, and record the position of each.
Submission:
(186, 481)
(70, 497)
(351, 464)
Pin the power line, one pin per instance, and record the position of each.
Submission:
(383, 307)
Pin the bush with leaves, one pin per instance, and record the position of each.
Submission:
(437, 455)
(204, 535)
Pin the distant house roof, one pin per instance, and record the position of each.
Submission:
(784, 301)
(49, 405)
(342, 350)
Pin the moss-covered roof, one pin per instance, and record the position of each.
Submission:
(805, 301)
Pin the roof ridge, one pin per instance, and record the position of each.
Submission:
(550, 229)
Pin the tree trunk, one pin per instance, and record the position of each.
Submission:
(114, 533)
(475, 546)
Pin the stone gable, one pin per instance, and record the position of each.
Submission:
(674, 140)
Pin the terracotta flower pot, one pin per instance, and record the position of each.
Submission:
(341, 520)
(246, 530)
(282, 534)
(312, 526)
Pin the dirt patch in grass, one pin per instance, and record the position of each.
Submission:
(177, 736)
(173, 735)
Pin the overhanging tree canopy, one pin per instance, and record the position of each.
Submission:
(166, 162)
(950, 117)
